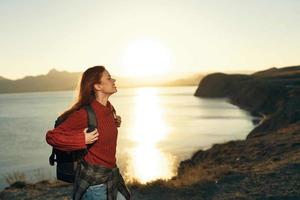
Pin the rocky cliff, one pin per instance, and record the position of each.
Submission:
(265, 166)
(273, 94)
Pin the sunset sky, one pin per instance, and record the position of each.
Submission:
(139, 38)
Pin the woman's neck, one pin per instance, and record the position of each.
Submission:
(103, 99)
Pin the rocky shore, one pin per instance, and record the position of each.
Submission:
(264, 166)
(273, 93)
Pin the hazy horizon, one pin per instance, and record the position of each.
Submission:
(142, 38)
(170, 76)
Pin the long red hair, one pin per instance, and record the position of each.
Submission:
(86, 92)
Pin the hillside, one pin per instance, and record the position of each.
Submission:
(52, 81)
(62, 80)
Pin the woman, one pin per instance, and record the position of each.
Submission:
(97, 176)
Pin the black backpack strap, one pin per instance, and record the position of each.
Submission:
(92, 125)
(52, 158)
(92, 120)
(58, 121)
(113, 109)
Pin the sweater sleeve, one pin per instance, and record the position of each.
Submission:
(69, 135)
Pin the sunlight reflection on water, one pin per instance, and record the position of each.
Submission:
(146, 161)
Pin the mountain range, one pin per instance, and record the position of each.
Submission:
(56, 80)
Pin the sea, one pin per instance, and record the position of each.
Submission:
(161, 126)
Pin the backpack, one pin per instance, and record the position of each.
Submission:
(66, 162)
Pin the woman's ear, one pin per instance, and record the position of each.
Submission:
(97, 87)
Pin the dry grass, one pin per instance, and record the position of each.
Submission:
(41, 175)
(38, 175)
(271, 165)
(15, 177)
(200, 173)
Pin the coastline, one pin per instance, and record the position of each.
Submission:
(266, 165)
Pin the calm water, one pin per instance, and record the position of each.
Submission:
(160, 127)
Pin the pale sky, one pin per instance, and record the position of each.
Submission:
(147, 36)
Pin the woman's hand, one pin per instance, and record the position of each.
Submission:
(118, 120)
(90, 137)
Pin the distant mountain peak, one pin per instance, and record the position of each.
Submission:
(53, 71)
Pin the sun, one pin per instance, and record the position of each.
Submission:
(145, 57)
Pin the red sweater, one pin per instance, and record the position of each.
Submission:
(69, 135)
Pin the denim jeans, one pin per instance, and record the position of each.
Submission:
(98, 192)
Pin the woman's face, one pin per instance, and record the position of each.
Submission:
(107, 84)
